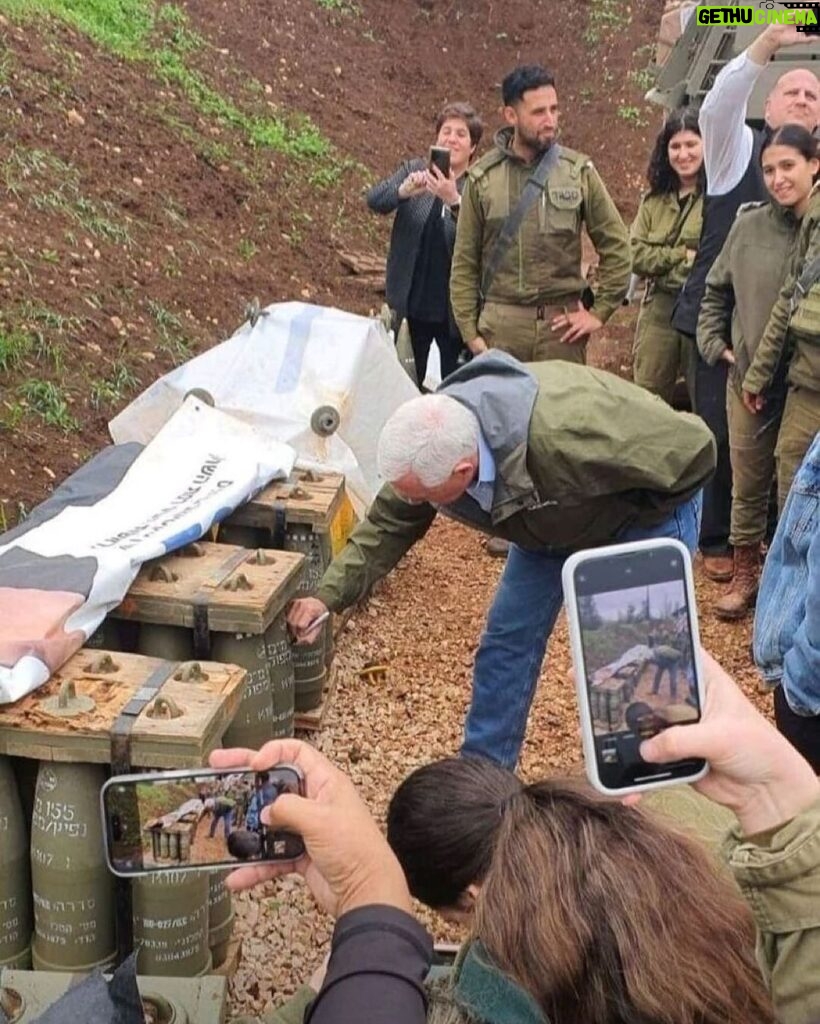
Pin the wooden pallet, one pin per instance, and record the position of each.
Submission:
(28, 729)
(313, 720)
(242, 594)
(308, 498)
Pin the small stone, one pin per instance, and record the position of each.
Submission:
(116, 323)
(137, 182)
(75, 119)
(337, 71)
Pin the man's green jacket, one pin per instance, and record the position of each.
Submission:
(579, 454)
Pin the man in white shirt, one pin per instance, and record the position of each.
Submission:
(731, 151)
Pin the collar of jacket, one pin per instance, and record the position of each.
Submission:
(487, 994)
(501, 393)
(503, 139)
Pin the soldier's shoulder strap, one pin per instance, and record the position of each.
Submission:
(756, 205)
(488, 161)
(577, 161)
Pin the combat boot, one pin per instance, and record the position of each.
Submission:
(741, 598)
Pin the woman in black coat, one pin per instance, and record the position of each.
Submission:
(426, 203)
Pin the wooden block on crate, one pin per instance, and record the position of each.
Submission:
(242, 595)
(313, 720)
(28, 727)
(308, 497)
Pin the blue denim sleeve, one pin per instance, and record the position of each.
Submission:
(801, 664)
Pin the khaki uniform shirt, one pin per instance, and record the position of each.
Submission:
(800, 326)
(542, 265)
(660, 235)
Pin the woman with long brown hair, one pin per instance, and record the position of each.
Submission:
(584, 910)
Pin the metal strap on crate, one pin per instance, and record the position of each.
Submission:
(121, 765)
(201, 626)
(280, 522)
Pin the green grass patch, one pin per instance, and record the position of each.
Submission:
(604, 17)
(340, 6)
(51, 184)
(48, 401)
(110, 390)
(15, 346)
(129, 28)
(172, 340)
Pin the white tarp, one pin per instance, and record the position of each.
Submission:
(73, 561)
(297, 359)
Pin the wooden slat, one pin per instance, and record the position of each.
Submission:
(207, 706)
(311, 501)
(208, 578)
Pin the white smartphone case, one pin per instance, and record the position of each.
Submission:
(571, 605)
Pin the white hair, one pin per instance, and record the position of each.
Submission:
(427, 436)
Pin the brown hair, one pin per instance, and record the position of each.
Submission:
(466, 112)
(607, 917)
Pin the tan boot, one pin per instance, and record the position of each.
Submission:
(741, 598)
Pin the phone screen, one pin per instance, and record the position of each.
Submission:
(177, 821)
(440, 157)
(638, 659)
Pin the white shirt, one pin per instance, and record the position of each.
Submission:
(727, 139)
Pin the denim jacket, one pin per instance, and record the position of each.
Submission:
(787, 621)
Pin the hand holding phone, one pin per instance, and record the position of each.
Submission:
(200, 820)
(753, 769)
(635, 648)
(347, 863)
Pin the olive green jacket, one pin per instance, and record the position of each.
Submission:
(579, 455)
(744, 283)
(542, 265)
(779, 876)
(793, 334)
(660, 235)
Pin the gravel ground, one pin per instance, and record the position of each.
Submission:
(424, 622)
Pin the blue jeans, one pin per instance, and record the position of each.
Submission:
(520, 621)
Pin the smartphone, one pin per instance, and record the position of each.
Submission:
(635, 648)
(198, 821)
(439, 157)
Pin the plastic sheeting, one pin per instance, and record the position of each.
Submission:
(299, 362)
(75, 557)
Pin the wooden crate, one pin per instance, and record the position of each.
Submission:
(28, 729)
(242, 595)
(308, 498)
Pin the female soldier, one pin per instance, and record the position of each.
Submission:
(741, 289)
(664, 238)
(792, 335)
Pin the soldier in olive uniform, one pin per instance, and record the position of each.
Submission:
(793, 331)
(535, 304)
(664, 239)
(741, 289)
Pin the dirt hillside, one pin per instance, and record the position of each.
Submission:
(163, 164)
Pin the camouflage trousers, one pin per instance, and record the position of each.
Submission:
(801, 421)
(525, 332)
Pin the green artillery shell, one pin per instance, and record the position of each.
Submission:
(171, 923)
(310, 660)
(278, 653)
(253, 723)
(72, 887)
(170, 642)
(220, 917)
(15, 874)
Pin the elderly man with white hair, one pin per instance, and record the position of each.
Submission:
(553, 457)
